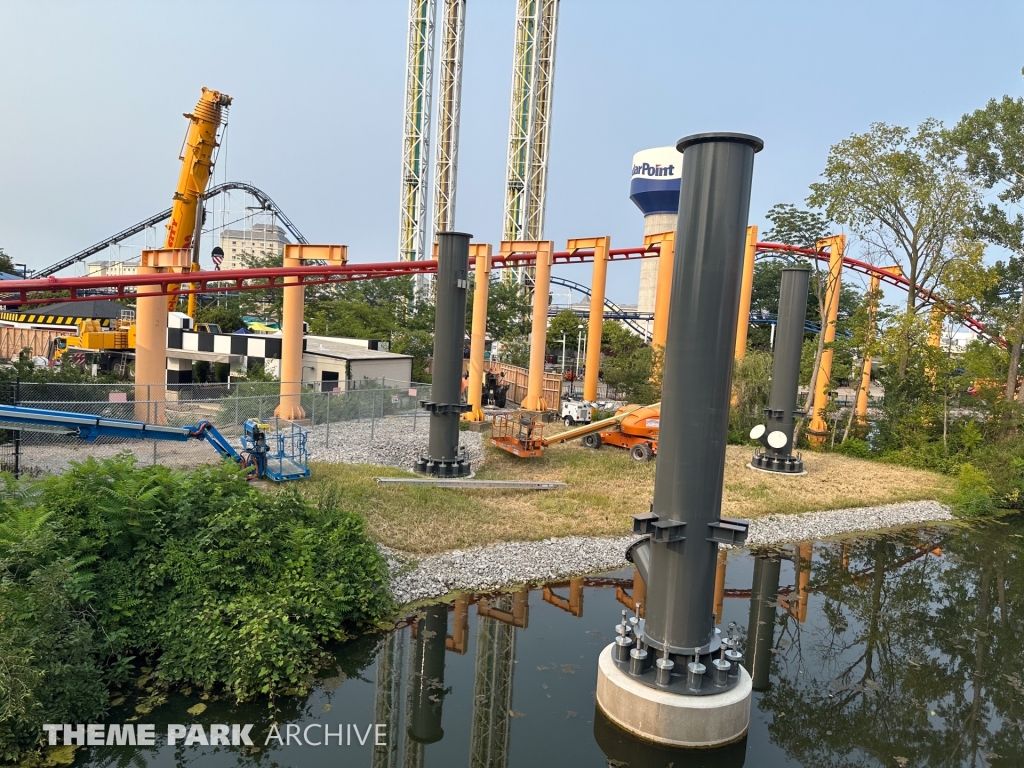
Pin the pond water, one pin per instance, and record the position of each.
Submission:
(901, 649)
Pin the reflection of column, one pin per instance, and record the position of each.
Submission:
(459, 637)
(574, 604)
(638, 597)
(802, 566)
(387, 709)
(764, 593)
(426, 679)
(723, 557)
(492, 690)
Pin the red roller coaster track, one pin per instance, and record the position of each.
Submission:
(85, 288)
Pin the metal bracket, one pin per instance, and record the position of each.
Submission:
(666, 531)
(729, 531)
(642, 523)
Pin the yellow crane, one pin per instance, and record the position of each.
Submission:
(196, 168)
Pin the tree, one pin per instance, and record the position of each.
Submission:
(228, 318)
(991, 141)
(565, 322)
(508, 311)
(265, 304)
(419, 344)
(7, 264)
(902, 195)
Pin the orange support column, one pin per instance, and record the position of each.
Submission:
(478, 335)
(595, 323)
(294, 300)
(151, 334)
(666, 241)
(743, 316)
(865, 377)
(817, 430)
(534, 400)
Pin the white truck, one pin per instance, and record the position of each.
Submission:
(576, 412)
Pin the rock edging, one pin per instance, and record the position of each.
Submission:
(498, 565)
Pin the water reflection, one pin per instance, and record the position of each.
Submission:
(878, 651)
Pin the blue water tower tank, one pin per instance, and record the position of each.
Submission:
(654, 185)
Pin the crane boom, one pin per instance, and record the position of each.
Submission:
(196, 168)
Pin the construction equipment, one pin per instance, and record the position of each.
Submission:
(196, 168)
(277, 455)
(633, 427)
(92, 337)
(576, 412)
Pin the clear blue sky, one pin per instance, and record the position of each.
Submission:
(93, 95)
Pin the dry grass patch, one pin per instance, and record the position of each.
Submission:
(606, 488)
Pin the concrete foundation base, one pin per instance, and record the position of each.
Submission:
(698, 722)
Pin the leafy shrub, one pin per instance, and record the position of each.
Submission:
(211, 581)
(855, 447)
(973, 494)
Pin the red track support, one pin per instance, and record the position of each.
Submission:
(261, 279)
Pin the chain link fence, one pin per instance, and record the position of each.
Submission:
(332, 410)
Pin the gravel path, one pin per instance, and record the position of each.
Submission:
(499, 565)
(394, 442)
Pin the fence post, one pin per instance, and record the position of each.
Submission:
(312, 418)
(373, 411)
(327, 439)
(236, 411)
(17, 433)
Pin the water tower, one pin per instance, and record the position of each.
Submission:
(654, 187)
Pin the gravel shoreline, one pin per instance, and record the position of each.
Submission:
(499, 565)
(397, 441)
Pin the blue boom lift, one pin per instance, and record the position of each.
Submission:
(272, 455)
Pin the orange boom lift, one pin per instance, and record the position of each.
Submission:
(633, 427)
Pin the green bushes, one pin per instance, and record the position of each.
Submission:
(973, 494)
(212, 582)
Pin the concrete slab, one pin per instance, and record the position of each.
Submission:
(698, 722)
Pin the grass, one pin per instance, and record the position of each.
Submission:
(606, 488)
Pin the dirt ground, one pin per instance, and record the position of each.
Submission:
(606, 488)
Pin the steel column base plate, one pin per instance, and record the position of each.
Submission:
(783, 465)
(696, 722)
(458, 468)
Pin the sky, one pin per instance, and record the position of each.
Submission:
(94, 92)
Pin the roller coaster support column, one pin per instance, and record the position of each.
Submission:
(817, 430)
(676, 684)
(865, 378)
(444, 459)
(666, 242)
(743, 318)
(292, 312)
(478, 335)
(538, 336)
(595, 323)
(151, 334)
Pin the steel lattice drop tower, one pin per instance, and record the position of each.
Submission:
(533, 72)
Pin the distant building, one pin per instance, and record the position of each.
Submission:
(260, 240)
(111, 268)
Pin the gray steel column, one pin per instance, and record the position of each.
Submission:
(443, 456)
(684, 522)
(426, 676)
(764, 595)
(776, 434)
